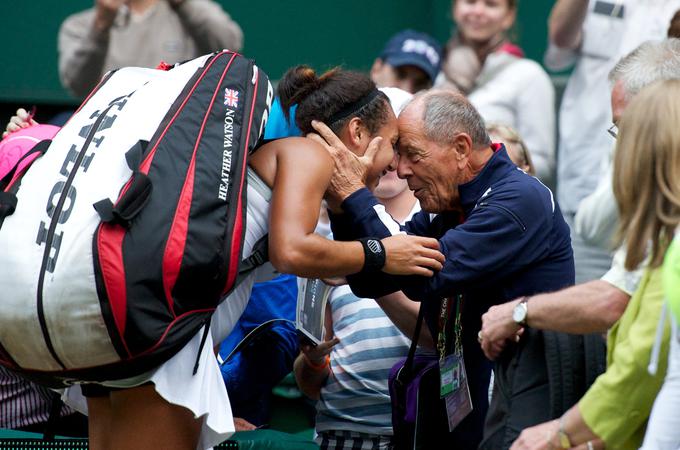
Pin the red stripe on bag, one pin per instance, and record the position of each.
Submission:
(104, 79)
(238, 224)
(144, 167)
(113, 274)
(171, 325)
(174, 248)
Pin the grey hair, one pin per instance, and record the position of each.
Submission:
(650, 62)
(447, 113)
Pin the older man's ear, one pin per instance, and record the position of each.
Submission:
(462, 145)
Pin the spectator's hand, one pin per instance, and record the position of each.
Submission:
(350, 170)
(106, 12)
(498, 328)
(539, 437)
(317, 354)
(22, 119)
(243, 425)
(412, 255)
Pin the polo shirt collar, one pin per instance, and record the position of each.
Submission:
(495, 169)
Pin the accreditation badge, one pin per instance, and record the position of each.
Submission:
(454, 389)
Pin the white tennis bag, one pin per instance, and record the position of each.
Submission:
(119, 242)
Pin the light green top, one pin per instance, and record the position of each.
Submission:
(618, 404)
(671, 277)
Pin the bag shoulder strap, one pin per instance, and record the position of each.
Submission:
(255, 332)
(259, 256)
(408, 364)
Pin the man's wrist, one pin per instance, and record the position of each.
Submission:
(520, 312)
(347, 191)
(359, 202)
(374, 254)
(563, 439)
(102, 25)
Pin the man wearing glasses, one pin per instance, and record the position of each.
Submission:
(591, 307)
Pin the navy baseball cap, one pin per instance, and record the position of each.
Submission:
(413, 48)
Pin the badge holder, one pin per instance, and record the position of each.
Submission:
(452, 375)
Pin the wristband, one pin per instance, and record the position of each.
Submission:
(317, 367)
(374, 254)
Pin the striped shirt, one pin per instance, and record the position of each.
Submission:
(23, 403)
(356, 397)
(340, 440)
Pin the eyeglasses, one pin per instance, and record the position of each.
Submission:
(613, 131)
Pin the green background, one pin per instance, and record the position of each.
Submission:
(278, 34)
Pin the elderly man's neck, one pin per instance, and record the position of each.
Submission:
(476, 163)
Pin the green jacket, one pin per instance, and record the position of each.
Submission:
(618, 404)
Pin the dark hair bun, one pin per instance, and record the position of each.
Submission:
(297, 83)
(320, 97)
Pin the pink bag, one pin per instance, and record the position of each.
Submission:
(18, 143)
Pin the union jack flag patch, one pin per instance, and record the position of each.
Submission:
(231, 98)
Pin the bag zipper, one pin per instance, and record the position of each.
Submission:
(52, 229)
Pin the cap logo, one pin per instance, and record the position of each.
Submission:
(422, 48)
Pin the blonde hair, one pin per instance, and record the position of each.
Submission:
(647, 173)
(511, 138)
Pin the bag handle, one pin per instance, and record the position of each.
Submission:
(8, 200)
(135, 197)
(40, 148)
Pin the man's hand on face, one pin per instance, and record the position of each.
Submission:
(498, 329)
(350, 170)
(412, 255)
(106, 12)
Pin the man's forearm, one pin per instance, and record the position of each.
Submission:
(591, 307)
(82, 52)
(566, 23)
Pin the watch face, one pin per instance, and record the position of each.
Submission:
(519, 313)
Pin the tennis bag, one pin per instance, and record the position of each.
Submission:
(120, 241)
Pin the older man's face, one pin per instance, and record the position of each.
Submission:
(430, 169)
